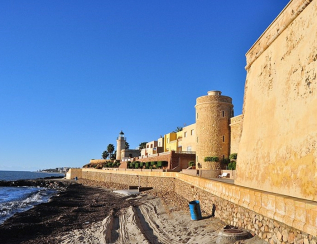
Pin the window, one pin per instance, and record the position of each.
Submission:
(192, 132)
(197, 138)
(223, 113)
(189, 149)
(168, 140)
(185, 133)
(197, 116)
(223, 138)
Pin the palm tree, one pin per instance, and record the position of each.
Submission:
(127, 146)
(142, 145)
(178, 129)
(105, 155)
(110, 149)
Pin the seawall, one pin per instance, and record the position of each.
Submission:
(273, 217)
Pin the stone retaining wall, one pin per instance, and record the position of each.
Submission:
(266, 228)
(274, 218)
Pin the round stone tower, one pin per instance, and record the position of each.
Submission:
(213, 113)
(120, 145)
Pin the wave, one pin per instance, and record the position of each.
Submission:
(24, 201)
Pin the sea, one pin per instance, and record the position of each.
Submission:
(19, 199)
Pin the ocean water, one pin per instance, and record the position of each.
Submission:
(24, 175)
(18, 199)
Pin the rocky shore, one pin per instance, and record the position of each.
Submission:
(49, 182)
(90, 212)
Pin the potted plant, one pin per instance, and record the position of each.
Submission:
(192, 164)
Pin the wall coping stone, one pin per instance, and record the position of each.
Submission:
(280, 23)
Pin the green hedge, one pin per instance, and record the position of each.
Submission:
(211, 159)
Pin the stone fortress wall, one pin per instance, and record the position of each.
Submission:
(278, 147)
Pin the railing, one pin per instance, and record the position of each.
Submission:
(155, 155)
(121, 137)
(187, 152)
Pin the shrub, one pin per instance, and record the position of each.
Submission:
(153, 163)
(141, 164)
(159, 164)
(191, 163)
(232, 165)
(150, 167)
(164, 163)
(136, 165)
(147, 164)
(224, 163)
(233, 156)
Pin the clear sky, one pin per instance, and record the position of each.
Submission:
(75, 73)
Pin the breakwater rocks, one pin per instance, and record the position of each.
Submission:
(47, 183)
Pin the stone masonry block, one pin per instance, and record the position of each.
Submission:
(311, 214)
(289, 208)
(300, 211)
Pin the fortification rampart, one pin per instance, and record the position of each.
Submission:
(278, 146)
(271, 216)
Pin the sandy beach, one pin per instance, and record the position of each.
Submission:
(90, 212)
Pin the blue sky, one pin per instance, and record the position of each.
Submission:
(75, 73)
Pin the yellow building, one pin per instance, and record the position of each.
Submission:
(170, 142)
(181, 141)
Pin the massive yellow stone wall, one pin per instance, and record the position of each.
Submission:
(277, 151)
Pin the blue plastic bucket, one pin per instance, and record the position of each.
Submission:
(194, 208)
